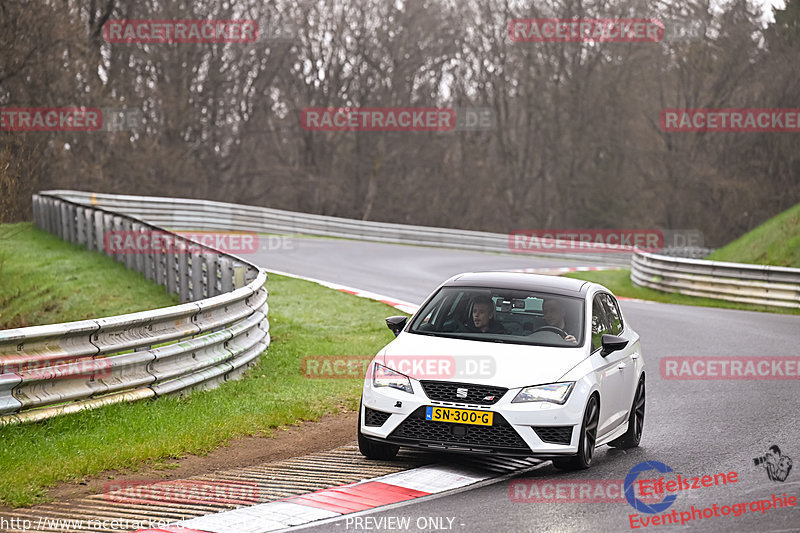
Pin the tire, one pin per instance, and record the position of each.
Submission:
(583, 459)
(374, 450)
(632, 437)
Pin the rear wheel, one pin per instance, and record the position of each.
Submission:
(583, 459)
(632, 437)
(371, 449)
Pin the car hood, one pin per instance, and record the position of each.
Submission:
(470, 361)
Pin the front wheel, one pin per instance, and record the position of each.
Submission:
(583, 459)
(632, 437)
(371, 449)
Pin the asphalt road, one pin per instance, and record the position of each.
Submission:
(404, 272)
(699, 427)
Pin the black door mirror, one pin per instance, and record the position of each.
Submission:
(612, 343)
(396, 324)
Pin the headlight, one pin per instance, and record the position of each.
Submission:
(386, 377)
(552, 392)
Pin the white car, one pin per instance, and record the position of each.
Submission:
(507, 363)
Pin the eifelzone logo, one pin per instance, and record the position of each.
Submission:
(638, 504)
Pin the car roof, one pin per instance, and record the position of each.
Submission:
(521, 281)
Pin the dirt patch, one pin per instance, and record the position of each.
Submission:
(329, 432)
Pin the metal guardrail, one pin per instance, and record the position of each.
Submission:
(189, 214)
(218, 331)
(734, 282)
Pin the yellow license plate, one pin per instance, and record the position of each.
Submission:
(459, 416)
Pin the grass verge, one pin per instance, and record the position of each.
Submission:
(44, 280)
(305, 320)
(619, 282)
(775, 242)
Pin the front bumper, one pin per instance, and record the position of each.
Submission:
(540, 429)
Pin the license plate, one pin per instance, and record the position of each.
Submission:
(460, 416)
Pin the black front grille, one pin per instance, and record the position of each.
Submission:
(445, 391)
(555, 434)
(375, 418)
(500, 436)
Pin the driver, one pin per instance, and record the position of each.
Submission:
(554, 315)
(483, 316)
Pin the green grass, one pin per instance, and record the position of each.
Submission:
(775, 242)
(305, 320)
(44, 280)
(619, 282)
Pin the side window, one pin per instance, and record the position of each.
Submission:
(599, 323)
(612, 313)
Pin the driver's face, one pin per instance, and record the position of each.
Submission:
(480, 316)
(553, 314)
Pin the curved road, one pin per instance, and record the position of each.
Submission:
(696, 427)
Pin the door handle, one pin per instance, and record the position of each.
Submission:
(621, 366)
(635, 356)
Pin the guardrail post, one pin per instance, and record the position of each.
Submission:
(149, 259)
(127, 236)
(37, 213)
(159, 267)
(183, 275)
(137, 230)
(88, 228)
(53, 216)
(63, 232)
(226, 272)
(172, 268)
(107, 225)
(80, 226)
(116, 226)
(72, 231)
(99, 237)
(197, 275)
(239, 272)
(210, 262)
(43, 214)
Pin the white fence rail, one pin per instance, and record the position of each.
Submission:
(735, 282)
(218, 331)
(189, 214)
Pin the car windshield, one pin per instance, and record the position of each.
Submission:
(502, 315)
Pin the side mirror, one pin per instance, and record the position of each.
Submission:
(612, 343)
(396, 324)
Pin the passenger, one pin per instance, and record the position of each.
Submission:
(483, 316)
(555, 315)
